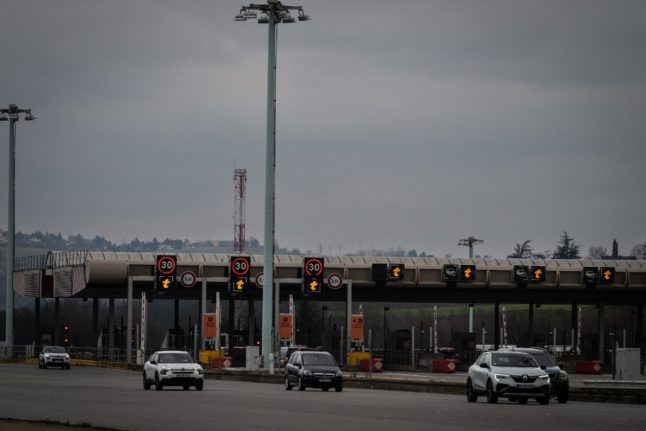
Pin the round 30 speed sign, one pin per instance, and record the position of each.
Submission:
(166, 265)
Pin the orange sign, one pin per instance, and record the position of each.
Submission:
(285, 325)
(210, 325)
(357, 327)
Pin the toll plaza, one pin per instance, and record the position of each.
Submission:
(348, 279)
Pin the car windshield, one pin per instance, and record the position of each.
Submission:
(513, 360)
(543, 359)
(54, 349)
(175, 358)
(318, 359)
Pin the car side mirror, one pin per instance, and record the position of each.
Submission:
(484, 365)
(543, 367)
(153, 362)
(560, 364)
(297, 365)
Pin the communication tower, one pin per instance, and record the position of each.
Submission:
(240, 182)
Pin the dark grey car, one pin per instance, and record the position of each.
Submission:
(313, 369)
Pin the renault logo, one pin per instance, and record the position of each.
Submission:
(525, 377)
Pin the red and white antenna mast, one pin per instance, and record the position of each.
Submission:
(240, 182)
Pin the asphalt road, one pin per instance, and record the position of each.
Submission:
(116, 399)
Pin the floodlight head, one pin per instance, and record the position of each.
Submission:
(29, 117)
(241, 18)
(250, 14)
(4, 118)
(302, 16)
(264, 19)
(288, 19)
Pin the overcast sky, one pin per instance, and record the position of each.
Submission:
(399, 123)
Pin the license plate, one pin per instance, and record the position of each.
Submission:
(325, 380)
(525, 386)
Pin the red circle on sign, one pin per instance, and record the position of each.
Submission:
(166, 265)
(311, 267)
(334, 281)
(243, 268)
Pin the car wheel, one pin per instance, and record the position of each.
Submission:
(158, 384)
(339, 388)
(67, 366)
(45, 365)
(562, 397)
(492, 396)
(325, 388)
(301, 384)
(146, 383)
(40, 365)
(543, 400)
(522, 400)
(471, 395)
(199, 386)
(288, 387)
(186, 387)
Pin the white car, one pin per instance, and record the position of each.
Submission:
(54, 356)
(173, 368)
(513, 375)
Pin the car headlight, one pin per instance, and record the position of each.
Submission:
(307, 373)
(544, 377)
(339, 374)
(163, 371)
(198, 371)
(500, 376)
(67, 357)
(46, 356)
(562, 376)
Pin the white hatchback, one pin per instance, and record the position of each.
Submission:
(173, 368)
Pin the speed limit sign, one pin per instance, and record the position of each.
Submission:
(188, 279)
(166, 264)
(334, 281)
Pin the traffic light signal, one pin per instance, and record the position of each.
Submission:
(450, 273)
(590, 275)
(607, 275)
(467, 272)
(239, 270)
(396, 271)
(537, 274)
(66, 334)
(312, 275)
(521, 274)
(165, 273)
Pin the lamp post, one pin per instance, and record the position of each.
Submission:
(469, 242)
(11, 114)
(272, 13)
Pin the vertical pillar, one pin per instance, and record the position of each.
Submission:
(95, 319)
(530, 336)
(276, 320)
(574, 325)
(640, 327)
(57, 322)
(496, 324)
(202, 312)
(232, 316)
(111, 325)
(348, 342)
(37, 322)
(600, 326)
(129, 323)
(251, 321)
(176, 344)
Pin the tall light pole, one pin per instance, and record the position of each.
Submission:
(469, 242)
(272, 13)
(11, 114)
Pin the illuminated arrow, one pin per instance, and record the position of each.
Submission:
(396, 271)
(607, 274)
(314, 285)
(467, 273)
(239, 284)
(166, 283)
(538, 273)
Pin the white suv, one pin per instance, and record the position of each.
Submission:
(173, 368)
(513, 375)
(54, 356)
